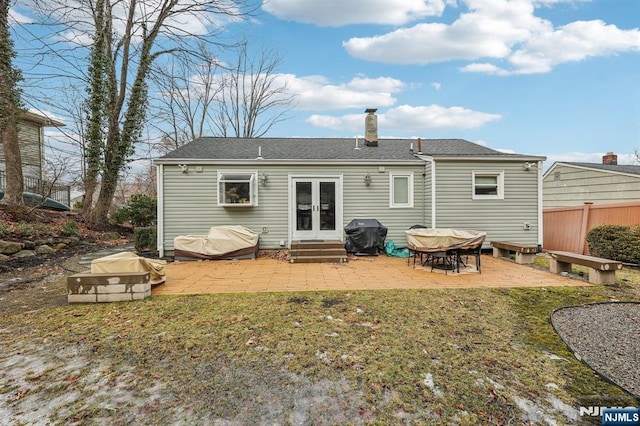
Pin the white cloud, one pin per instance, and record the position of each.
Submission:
(502, 30)
(436, 86)
(333, 13)
(194, 18)
(16, 17)
(316, 92)
(505, 150)
(409, 118)
(573, 42)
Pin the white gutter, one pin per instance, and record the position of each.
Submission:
(245, 162)
(160, 209)
(540, 206)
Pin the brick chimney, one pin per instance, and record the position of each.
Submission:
(610, 159)
(371, 127)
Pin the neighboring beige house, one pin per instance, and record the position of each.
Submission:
(573, 184)
(31, 136)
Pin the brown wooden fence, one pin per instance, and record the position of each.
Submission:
(565, 228)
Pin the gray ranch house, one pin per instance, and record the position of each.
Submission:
(290, 189)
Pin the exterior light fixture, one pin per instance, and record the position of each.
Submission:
(367, 179)
(183, 168)
(264, 177)
(528, 166)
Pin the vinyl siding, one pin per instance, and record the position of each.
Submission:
(30, 149)
(190, 202)
(571, 186)
(501, 219)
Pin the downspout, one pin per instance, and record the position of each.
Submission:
(160, 209)
(540, 207)
(433, 191)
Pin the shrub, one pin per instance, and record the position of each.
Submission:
(24, 229)
(144, 238)
(615, 242)
(140, 211)
(4, 229)
(69, 228)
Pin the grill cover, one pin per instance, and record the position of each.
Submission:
(365, 237)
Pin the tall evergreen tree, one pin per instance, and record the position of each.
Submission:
(10, 105)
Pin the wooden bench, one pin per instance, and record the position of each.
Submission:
(601, 271)
(525, 253)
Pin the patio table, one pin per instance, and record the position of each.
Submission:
(444, 246)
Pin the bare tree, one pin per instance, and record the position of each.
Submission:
(127, 38)
(253, 97)
(9, 108)
(186, 92)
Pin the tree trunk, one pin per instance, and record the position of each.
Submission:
(9, 107)
(13, 164)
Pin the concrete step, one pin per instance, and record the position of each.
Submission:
(316, 244)
(317, 251)
(319, 259)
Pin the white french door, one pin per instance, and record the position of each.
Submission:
(316, 208)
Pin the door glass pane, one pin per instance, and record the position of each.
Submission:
(327, 206)
(303, 206)
(401, 190)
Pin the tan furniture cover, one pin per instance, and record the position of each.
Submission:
(443, 238)
(130, 262)
(222, 242)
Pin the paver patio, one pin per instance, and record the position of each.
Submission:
(362, 273)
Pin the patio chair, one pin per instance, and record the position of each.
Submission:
(474, 250)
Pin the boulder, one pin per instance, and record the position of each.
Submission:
(10, 247)
(29, 245)
(25, 253)
(44, 249)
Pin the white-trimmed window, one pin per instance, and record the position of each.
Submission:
(237, 189)
(400, 190)
(488, 185)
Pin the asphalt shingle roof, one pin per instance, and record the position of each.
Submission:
(620, 168)
(213, 148)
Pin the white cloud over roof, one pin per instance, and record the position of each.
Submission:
(416, 118)
(507, 32)
(333, 13)
(317, 92)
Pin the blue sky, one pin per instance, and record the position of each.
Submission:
(558, 78)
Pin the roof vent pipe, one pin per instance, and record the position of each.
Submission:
(371, 127)
(419, 146)
(259, 152)
(357, 147)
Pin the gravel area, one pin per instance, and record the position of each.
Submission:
(605, 336)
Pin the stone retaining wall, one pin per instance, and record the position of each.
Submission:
(13, 249)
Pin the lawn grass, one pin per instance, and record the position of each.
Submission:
(465, 356)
